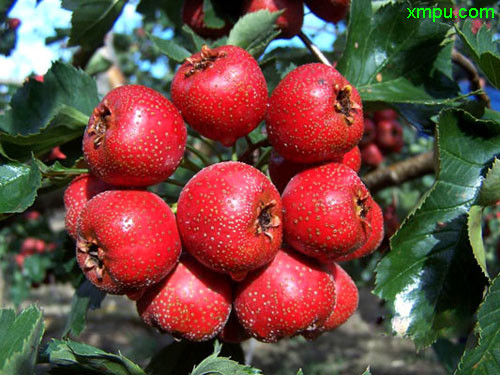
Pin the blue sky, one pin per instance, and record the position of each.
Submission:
(38, 22)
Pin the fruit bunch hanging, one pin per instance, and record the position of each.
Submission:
(238, 259)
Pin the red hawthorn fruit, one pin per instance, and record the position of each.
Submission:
(389, 136)
(56, 154)
(385, 115)
(371, 155)
(289, 296)
(13, 23)
(32, 215)
(290, 22)
(376, 220)
(221, 93)
(369, 133)
(135, 137)
(233, 332)
(192, 302)
(127, 240)
(281, 170)
(194, 17)
(229, 218)
(77, 194)
(19, 259)
(32, 245)
(325, 212)
(314, 115)
(329, 10)
(391, 220)
(347, 301)
(39, 78)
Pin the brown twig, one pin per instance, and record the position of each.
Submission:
(472, 74)
(396, 174)
(313, 48)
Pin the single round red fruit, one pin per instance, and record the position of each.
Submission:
(194, 16)
(192, 302)
(127, 240)
(13, 23)
(77, 194)
(290, 22)
(233, 332)
(314, 115)
(329, 10)
(221, 93)
(376, 220)
(281, 170)
(369, 133)
(371, 155)
(325, 212)
(389, 136)
(229, 218)
(347, 301)
(289, 296)
(135, 137)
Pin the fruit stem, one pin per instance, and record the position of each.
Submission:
(234, 153)
(313, 48)
(263, 158)
(200, 156)
(189, 165)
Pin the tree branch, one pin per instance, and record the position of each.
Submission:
(472, 74)
(396, 174)
(313, 48)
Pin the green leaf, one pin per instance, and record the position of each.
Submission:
(485, 358)
(490, 191)
(91, 20)
(196, 40)
(300, 372)
(86, 297)
(170, 48)
(367, 371)
(210, 17)
(385, 46)
(98, 64)
(72, 356)
(474, 227)
(19, 340)
(484, 49)
(35, 267)
(430, 278)
(181, 357)
(222, 366)
(448, 353)
(18, 186)
(253, 31)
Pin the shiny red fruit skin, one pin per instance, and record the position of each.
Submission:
(329, 10)
(77, 194)
(224, 101)
(192, 302)
(389, 136)
(194, 17)
(135, 236)
(376, 220)
(217, 216)
(233, 332)
(135, 137)
(302, 121)
(291, 295)
(324, 212)
(281, 170)
(290, 22)
(371, 155)
(347, 301)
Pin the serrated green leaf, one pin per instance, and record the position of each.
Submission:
(19, 340)
(18, 186)
(73, 356)
(383, 59)
(257, 47)
(430, 278)
(210, 17)
(86, 297)
(485, 358)
(253, 30)
(91, 20)
(474, 227)
(170, 48)
(484, 48)
(490, 191)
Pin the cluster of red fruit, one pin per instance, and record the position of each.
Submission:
(289, 22)
(383, 136)
(31, 246)
(270, 259)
